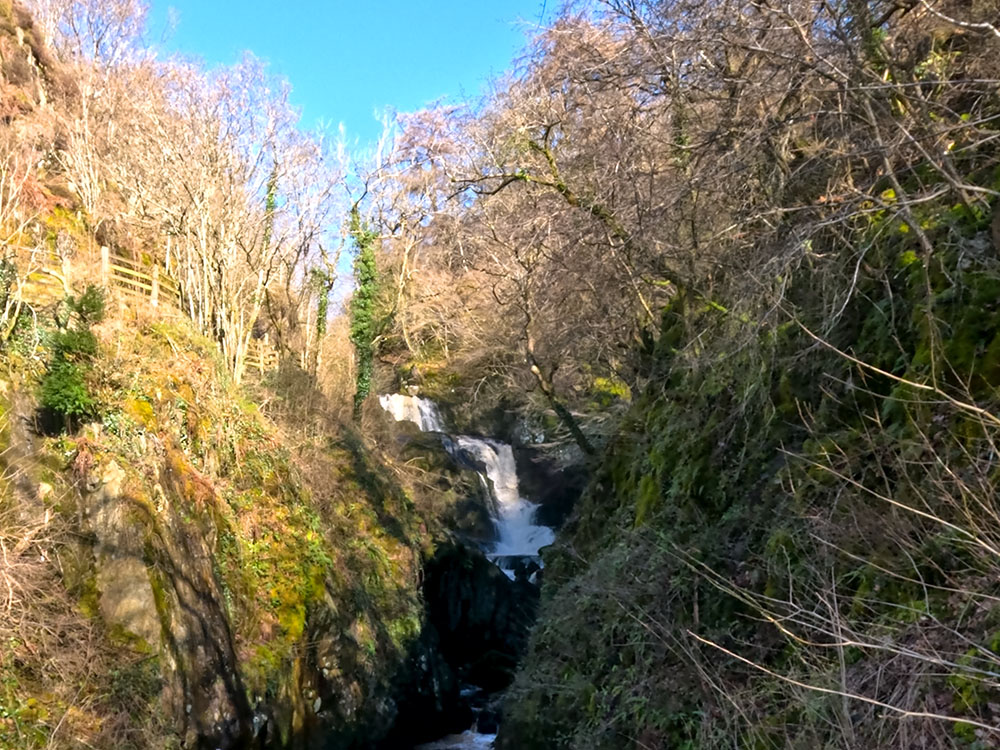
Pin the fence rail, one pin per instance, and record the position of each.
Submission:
(261, 357)
(149, 283)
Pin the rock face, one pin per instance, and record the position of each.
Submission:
(124, 588)
(429, 701)
(482, 616)
(155, 579)
(462, 498)
(259, 605)
(477, 621)
(553, 487)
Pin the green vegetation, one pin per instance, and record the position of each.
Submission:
(364, 315)
(736, 264)
(64, 391)
(775, 487)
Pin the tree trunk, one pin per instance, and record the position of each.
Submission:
(558, 407)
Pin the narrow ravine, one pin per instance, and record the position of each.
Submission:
(518, 538)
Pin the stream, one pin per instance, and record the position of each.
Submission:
(518, 537)
(466, 741)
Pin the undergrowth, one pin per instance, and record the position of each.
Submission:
(791, 542)
(311, 555)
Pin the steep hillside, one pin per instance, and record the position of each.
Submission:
(173, 569)
(197, 551)
(176, 569)
(792, 540)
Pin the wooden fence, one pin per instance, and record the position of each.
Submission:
(149, 282)
(50, 278)
(261, 357)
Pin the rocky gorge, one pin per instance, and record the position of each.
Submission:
(481, 590)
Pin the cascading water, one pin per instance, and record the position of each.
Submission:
(519, 538)
(464, 741)
(420, 411)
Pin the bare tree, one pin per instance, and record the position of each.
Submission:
(105, 33)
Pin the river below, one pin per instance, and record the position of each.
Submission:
(465, 741)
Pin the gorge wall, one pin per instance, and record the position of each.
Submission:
(231, 592)
(788, 542)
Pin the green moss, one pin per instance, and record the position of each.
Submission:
(141, 411)
(648, 498)
(157, 585)
(122, 638)
(88, 595)
(606, 392)
(64, 221)
(438, 383)
(404, 630)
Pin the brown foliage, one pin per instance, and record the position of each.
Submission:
(647, 150)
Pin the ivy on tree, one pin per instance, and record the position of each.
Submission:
(363, 307)
(322, 283)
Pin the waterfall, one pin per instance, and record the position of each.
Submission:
(421, 411)
(518, 536)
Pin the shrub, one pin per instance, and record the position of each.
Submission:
(63, 391)
(89, 306)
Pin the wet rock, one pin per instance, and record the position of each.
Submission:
(463, 499)
(481, 615)
(549, 482)
(488, 721)
(428, 699)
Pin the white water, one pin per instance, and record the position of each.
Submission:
(420, 411)
(518, 535)
(467, 741)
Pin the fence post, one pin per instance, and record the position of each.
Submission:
(154, 299)
(105, 266)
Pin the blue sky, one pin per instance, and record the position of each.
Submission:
(345, 60)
